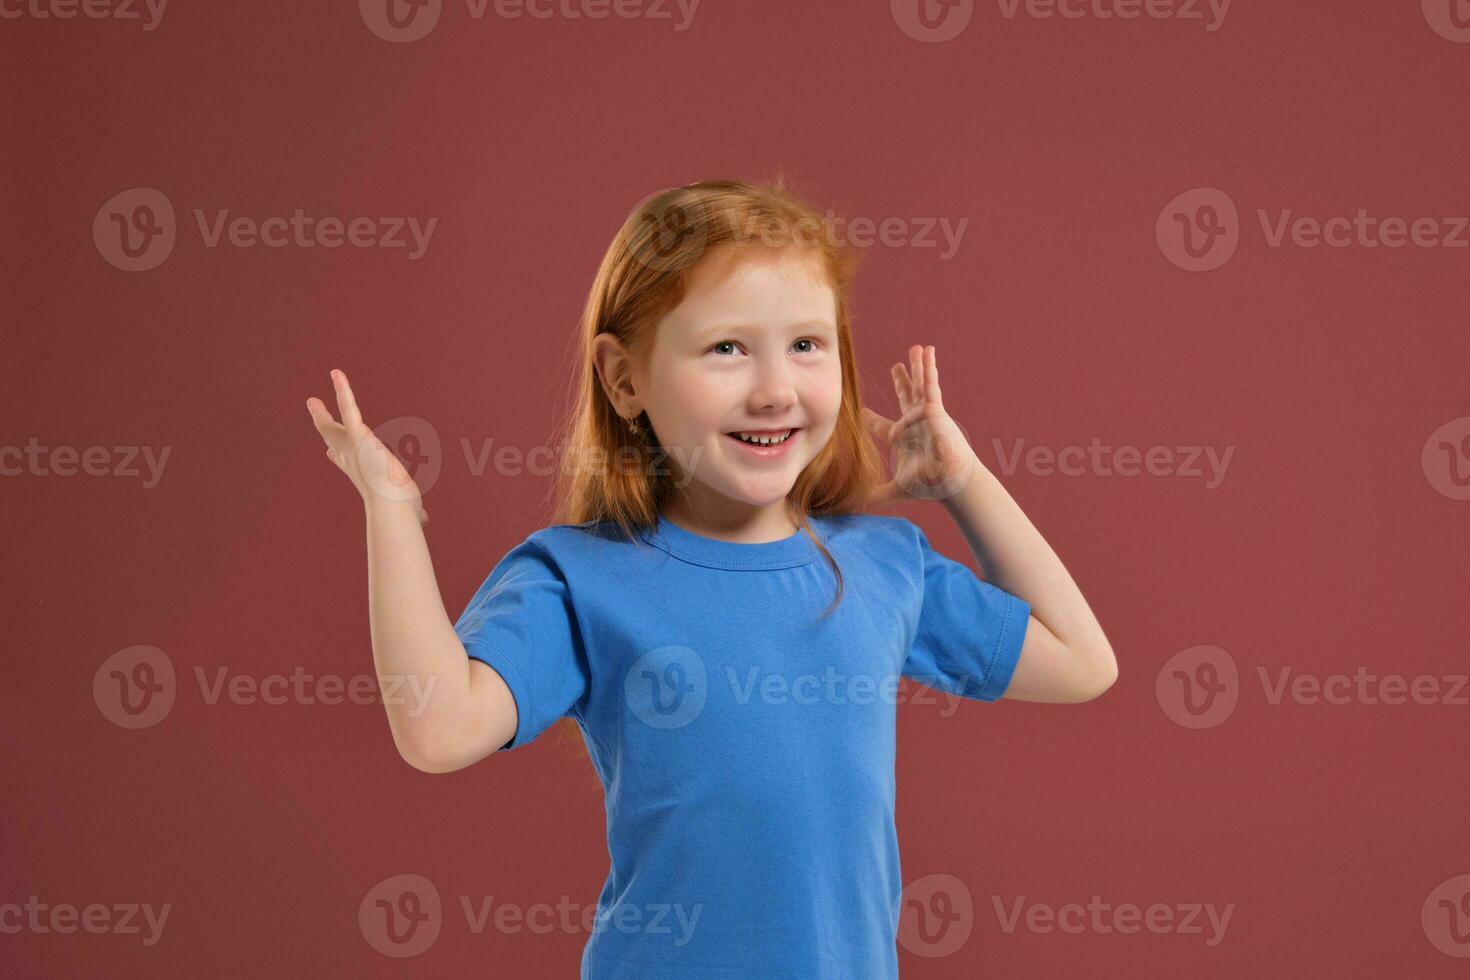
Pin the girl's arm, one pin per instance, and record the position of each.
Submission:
(445, 710)
(1065, 657)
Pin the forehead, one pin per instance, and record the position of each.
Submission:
(756, 287)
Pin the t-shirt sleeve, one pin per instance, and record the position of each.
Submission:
(970, 632)
(522, 623)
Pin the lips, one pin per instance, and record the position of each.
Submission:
(763, 432)
(757, 453)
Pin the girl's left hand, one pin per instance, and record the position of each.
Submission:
(935, 460)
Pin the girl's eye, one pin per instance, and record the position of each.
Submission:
(731, 343)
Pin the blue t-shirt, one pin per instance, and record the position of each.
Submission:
(745, 747)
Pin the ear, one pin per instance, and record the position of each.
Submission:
(615, 372)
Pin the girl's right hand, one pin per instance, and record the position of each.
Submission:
(355, 448)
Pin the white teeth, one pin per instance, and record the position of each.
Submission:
(762, 440)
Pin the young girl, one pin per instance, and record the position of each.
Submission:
(715, 609)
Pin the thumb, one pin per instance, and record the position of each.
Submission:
(877, 425)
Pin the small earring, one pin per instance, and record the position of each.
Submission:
(633, 427)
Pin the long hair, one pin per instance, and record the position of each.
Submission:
(645, 274)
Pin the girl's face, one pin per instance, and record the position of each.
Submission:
(752, 346)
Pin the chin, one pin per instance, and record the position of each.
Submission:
(764, 497)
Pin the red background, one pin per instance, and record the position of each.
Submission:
(1326, 547)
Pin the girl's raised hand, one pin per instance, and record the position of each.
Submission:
(935, 460)
(355, 448)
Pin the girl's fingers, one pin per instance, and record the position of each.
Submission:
(908, 418)
(902, 386)
(346, 404)
(318, 412)
(329, 428)
(919, 382)
(326, 426)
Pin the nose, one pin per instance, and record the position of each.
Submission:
(773, 390)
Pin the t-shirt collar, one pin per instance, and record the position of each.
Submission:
(688, 546)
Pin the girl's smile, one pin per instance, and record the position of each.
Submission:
(776, 450)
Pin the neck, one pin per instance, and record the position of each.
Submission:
(737, 525)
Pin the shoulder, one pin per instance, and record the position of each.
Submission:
(878, 531)
(555, 536)
(570, 546)
(892, 547)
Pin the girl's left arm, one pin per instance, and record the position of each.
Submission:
(1065, 658)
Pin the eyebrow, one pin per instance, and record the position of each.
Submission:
(810, 325)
